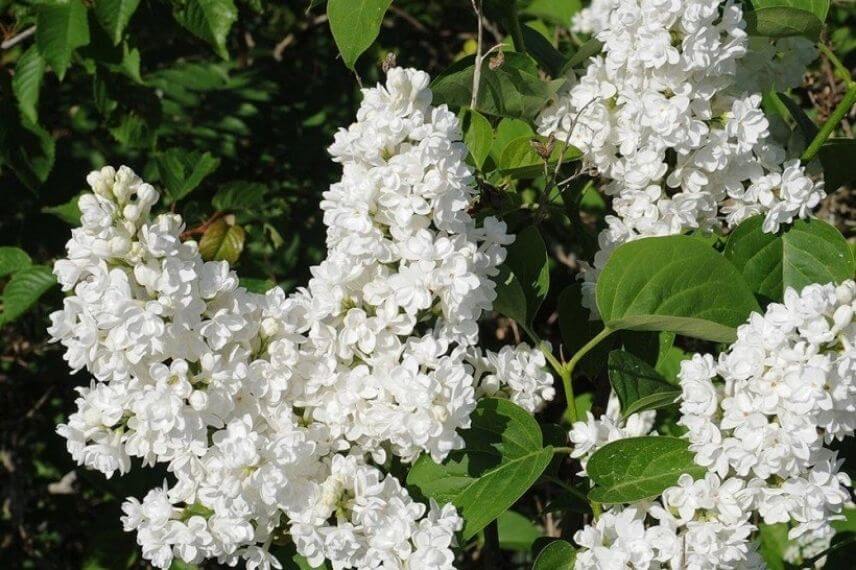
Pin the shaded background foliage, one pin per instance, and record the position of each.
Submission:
(232, 120)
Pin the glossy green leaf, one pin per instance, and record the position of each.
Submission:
(478, 136)
(520, 159)
(27, 83)
(222, 241)
(25, 287)
(809, 251)
(838, 155)
(13, 259)
(514, 89)
(637, 384)
(558, 555)
(114, 15)
(636, 468)
(183, 171)
(674, 283)
(355, 25)
(783, 18)
(503, 455)
(209, 20)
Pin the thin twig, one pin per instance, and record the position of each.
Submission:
(16, 39)
(479, 60)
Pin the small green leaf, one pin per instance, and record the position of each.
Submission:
(60, 29)
(478, 136)
(503, 455)
(355, 25)
(639, 386)
(68, 212)
(783, 18)
(837, 155)
(519, 158)
(516, 532)
(239, 196)
(182, 171)
(809, 251)
(507, 130)
(24, 289)
(514, 89)
(209, 20)
(674, 283)
(558, 555)
(114, 15)
(29, 72)
(222, 241)
(13, 259)
(637, 468)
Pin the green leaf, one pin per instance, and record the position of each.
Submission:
(837, 155)
(510, 298)
(637, 468)
(13, 259)
(805, 125)
(24, 289)
(60, 29)
(239, 196)
(114, 15)
(772, 544)
(507, 130)
(551, 59)
(783, 18)
(558, 555)
(26, 149)
(638, 385)
(580, 58)
(68, 212)
(355, 25)
(209, 20)
(503, 456)
(516, 532)
(674, 283)
(527, 259)
(29, 72)
(512, 90)
(182, 171)
(478, 136)
(809, 251)
(520, 160)
(557, 12)
(222, 241)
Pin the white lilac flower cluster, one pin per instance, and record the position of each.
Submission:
(273, 412)
(669, 115)
(759, 420)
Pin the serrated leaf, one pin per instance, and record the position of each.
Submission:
(558, 555)
(29, 72)
(60, 29)
(809, 251)
(209, 20)
(239, 196)
(13, 259)
(674, 283)
(638, 385)
(520, 160)
(637, 468)
(478, 136)
(503, 455)
(68, 212)
(355, 25)
(222, 241)
(837, 155)
(114, 15)
(183, 171)
(24, 289)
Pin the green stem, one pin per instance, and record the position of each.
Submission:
(563, 450)
(575, 359)
(828, 127)
(560, 369)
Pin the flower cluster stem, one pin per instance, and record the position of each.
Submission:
(840, 110)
